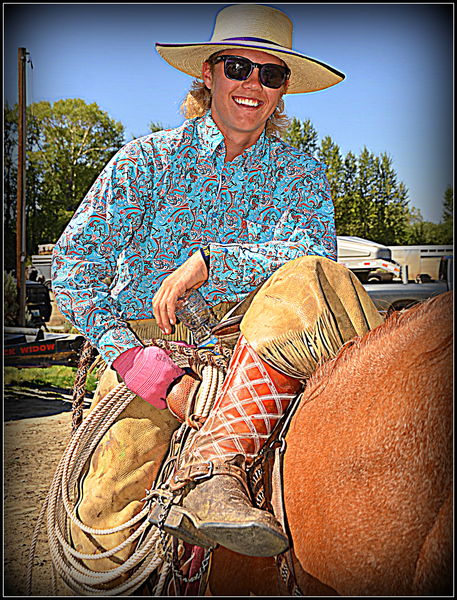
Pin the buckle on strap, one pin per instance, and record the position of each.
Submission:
(208, 474)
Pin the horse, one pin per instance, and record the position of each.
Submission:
(367, 471)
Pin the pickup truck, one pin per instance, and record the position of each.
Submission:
(396, 295)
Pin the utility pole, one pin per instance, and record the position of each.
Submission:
(21, 166)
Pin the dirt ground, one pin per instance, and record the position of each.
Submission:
(32, 450)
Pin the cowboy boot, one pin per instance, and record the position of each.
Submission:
(218, 509)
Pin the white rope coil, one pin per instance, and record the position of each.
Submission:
(59, 509)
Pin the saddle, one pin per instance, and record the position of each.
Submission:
(302, 315)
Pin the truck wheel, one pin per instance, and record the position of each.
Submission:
(374, 279)
(403, 304)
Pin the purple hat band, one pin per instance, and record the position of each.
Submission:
(250, 39)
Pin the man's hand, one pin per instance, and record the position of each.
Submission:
(190, 275)
(148, 372)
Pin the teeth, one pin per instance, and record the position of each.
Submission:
(247, 101)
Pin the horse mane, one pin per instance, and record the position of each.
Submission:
(398, 320)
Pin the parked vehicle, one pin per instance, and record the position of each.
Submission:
(388, 297)
(366, 258)
(38, 301)
(383, 270)
(421, 262)
(379, 276)
(33, 347)
(42, 262)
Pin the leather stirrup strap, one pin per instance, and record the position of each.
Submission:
(204, 470)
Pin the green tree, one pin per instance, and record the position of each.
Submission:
(68, 144)
(301, 135)
(154, 127)
(420, 232)
(448, 217)
(369, 201)
(364, 213)
(329, 153)
(346, 217)
(74, 142)
(9, 186)
(390, 203)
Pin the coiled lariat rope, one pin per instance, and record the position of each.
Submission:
(153, 547)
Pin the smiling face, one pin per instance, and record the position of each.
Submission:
(241, 108)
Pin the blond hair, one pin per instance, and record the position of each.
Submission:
(198, 102)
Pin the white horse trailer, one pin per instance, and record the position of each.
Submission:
(421, 261)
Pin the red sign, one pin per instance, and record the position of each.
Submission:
(27, 349)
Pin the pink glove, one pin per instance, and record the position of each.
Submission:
(148, 372)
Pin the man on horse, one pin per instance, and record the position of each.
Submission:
(220, 203)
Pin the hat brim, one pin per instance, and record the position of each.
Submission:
(307, 74)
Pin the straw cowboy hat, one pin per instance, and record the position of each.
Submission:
(258, 27)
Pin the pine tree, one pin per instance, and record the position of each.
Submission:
(302, 135)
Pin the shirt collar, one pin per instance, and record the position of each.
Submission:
(211, 138)
(209, 135)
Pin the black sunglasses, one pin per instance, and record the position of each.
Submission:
(240, 69)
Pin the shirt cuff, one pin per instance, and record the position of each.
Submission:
(115, 341)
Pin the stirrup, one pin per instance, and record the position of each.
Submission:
(252, 539)
(180, 525)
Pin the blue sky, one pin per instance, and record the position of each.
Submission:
(397, 97)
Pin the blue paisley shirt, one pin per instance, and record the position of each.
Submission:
(161, 198)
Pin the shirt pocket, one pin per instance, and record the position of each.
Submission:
(255, 232)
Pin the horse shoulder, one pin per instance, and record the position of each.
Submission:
(369, 456)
